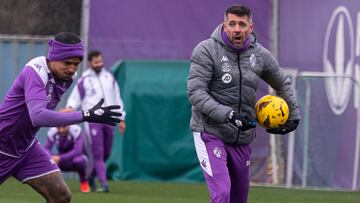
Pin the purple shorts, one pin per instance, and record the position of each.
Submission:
(35, 163)
(226, 168)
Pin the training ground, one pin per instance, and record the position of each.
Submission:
(149, 192)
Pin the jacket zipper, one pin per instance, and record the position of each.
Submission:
(239, 104)
(101, 88)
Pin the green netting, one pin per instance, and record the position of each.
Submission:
(157, 144)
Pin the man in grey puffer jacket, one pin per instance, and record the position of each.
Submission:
(222, 88)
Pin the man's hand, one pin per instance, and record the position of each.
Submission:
(99, 114)
(122, 126)
(56, 159)
(242, 122)
(289, 126)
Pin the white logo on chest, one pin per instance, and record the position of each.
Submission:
(51, 90)
(224, 59)
(225, 67)
(224, 63)
(48, 98)
(226, 78)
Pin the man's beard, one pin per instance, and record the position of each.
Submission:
(97, 68)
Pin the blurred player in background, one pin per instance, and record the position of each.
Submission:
(222, 86)
(95, 83)
(30, 104)
(69, 143)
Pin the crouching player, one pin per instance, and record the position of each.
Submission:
(70, 154)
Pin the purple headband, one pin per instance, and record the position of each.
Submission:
(59, 51)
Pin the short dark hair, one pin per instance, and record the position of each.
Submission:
(239, 10)
(93, 53)
(67, 38)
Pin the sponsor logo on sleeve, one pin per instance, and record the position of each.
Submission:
(252, 60)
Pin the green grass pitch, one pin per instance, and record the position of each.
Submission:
(148, 192)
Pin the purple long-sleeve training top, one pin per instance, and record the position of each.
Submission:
(29, 105)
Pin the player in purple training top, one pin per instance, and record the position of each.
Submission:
(69, 143)
(30, 104)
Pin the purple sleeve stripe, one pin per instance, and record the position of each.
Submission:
(81, 89)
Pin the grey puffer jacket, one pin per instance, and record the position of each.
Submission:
(222, 80)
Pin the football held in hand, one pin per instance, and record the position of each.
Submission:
(271, 111)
